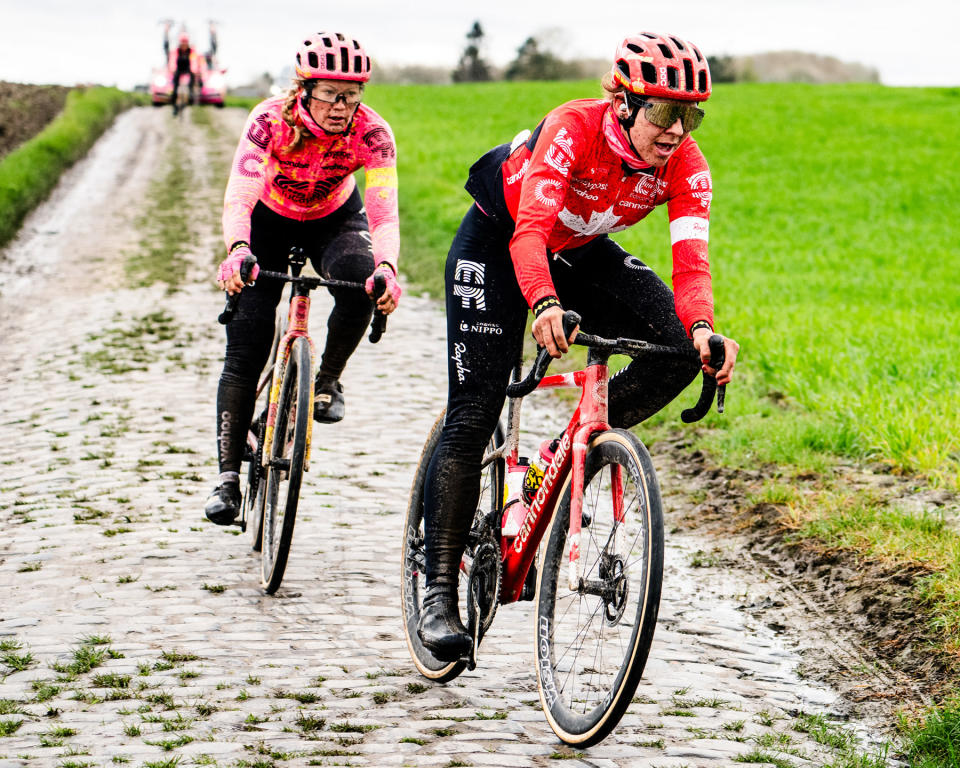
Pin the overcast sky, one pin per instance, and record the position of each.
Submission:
(910, 42)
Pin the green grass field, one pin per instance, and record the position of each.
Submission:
(833, 247)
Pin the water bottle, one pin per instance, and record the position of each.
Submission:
(532, 480)
(514, 508)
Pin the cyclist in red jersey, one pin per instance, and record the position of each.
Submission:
(536, 238)
(292, 184)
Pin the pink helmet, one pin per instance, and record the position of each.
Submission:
(332, 56)
(184, 38)
(662, 65)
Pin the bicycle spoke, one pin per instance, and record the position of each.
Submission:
(600, 633)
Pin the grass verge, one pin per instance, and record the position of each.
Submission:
(29, 173)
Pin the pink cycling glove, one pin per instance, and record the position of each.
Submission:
(232, 264)
(393, 287)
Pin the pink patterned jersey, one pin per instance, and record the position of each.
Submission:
(573, 187)
(317, 178)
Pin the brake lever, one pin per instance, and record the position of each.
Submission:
(709, 387)
(379, 323)
(246, 267)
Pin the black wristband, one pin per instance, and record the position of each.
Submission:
(392, 268)
(238, 244)
(545, 303)
(700, 324)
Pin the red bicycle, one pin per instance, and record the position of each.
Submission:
(597, 581)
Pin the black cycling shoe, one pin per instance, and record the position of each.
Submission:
(440, 629)
(223, 505)
(328, 405)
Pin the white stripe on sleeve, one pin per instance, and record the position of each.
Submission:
(689, 228)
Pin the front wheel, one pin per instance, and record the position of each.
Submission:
(284, 471)
(593, 641)
(414, 558)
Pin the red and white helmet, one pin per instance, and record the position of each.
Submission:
(648, 64)
(332, 56)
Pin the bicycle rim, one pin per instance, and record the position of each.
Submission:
(253, 495)
(282, 483)
(592, 643)
(413, 559)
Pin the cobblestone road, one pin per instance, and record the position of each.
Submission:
(135, 632)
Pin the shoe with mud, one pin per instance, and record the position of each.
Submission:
(328, 405)
(223, 505)
(440, 629)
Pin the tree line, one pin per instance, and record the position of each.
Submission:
(535, 60)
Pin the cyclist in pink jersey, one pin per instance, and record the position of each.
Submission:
(292, 184)
(537, 238)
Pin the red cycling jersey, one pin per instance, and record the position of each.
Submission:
(315, 179)
(573, 187)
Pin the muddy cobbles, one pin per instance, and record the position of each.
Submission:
(133, 631)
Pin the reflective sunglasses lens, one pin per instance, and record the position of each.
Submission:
(691, 118)
(663, 115)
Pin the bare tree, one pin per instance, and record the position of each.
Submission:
(472, 67)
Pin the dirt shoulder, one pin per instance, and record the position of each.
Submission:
(858, 621)
(25, 110)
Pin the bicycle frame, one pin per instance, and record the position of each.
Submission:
(589, 419)
(298, 320)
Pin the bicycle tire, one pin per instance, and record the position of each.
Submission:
(413, 557)
(584, 693)
(254, 510)
(289, 445)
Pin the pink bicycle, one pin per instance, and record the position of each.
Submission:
(278, 442)
(597, 581)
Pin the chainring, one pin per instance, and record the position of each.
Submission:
(483, 585)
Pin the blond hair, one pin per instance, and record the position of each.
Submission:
(289, 113)
(611, 87)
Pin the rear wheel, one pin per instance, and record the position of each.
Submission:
(284, 471)
(413, 560)
(593, 641)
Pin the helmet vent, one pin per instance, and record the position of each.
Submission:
(340, 36)
(313, 60)
(624, 69)
(679, 44)
(327, 42)
(702, 81)
(344, 60)
(649, 72)
(665, 50)
(308, 42)
(688, 74)
(649, 36)
(356, 45)
(696, 51)
(673, 77)
(634, 47)
(331, 62)
(358, 64)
